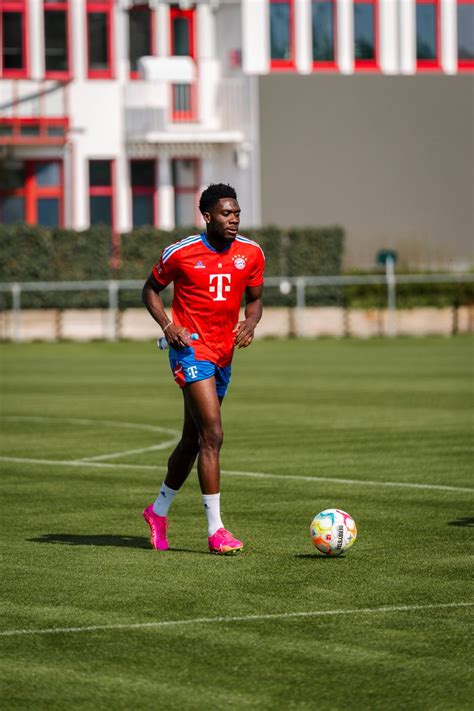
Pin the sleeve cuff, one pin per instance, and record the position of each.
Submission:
(157, 278)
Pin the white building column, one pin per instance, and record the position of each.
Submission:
(388, 33)
(345, 34)
(407, 37)
(120, 23)
(78, 49)
(162, 30)
(165, 194)
(79, 186)
(449, 40)
(122, 200)
(35, 36)
(208, 67)
(68, 197)
(255, 36)
(303, 36)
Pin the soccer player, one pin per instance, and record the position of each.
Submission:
(210, 273)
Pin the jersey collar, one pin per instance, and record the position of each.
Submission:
(213, 249)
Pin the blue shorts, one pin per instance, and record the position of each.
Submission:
(187, 369)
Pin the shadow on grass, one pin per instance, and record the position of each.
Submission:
(307, 556)
(70, 539)
(466, 522)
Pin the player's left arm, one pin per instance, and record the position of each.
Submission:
(244, 330)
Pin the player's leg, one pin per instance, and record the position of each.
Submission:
(184, 455)
(204, 405)
(180, 465)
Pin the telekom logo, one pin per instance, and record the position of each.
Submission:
(220, 286)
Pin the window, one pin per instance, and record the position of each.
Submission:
(465, 18)
(183, 45)
(186, 187)
(56, 39)
(281, 34)
(324, 23)
(182, 33)
(99, 39)
(365, 34)
(13, 27)
(143, 183)
(140, 36)
(427, 34)
(32, 192)
(101, 192)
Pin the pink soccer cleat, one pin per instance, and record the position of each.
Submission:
(223, 543)
(158, 526)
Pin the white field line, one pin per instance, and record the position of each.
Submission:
(107, 423)
(84, 421)
(80, 463)
(114, 455)
(252, 475)
(336, 480)
(96, 460)
(238, 618)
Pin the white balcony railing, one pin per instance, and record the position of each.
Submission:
(152, 109)
(33, 113)
(33, 98)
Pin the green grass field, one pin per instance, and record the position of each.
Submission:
(94, 618)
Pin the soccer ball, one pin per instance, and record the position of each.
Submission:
(333, 531)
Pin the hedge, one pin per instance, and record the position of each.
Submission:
(29, 253)
(408, 296)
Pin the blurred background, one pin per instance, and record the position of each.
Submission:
(346, 127)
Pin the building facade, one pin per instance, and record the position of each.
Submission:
(84, 139)
(90, 132)
(352, 36)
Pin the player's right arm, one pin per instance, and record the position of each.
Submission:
(176, 336)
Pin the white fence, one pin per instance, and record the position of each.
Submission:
(286, 285)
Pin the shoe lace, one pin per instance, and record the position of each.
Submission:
(227, 537)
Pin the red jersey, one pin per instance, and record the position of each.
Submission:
(208, 289)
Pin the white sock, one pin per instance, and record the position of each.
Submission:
(164, 500)
(212, 505)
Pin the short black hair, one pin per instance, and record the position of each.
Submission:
(213, 193)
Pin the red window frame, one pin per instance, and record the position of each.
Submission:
(135, 8)
(16, 137)
(61, 5)
(31, 191)
(190, 190)
(464, 64)
(18, 6)
(105, 7)
(104, 190)
(328, 65)
(286, 65)
(432, 64)
(145, 189)
(190, 17)
(370, 64)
